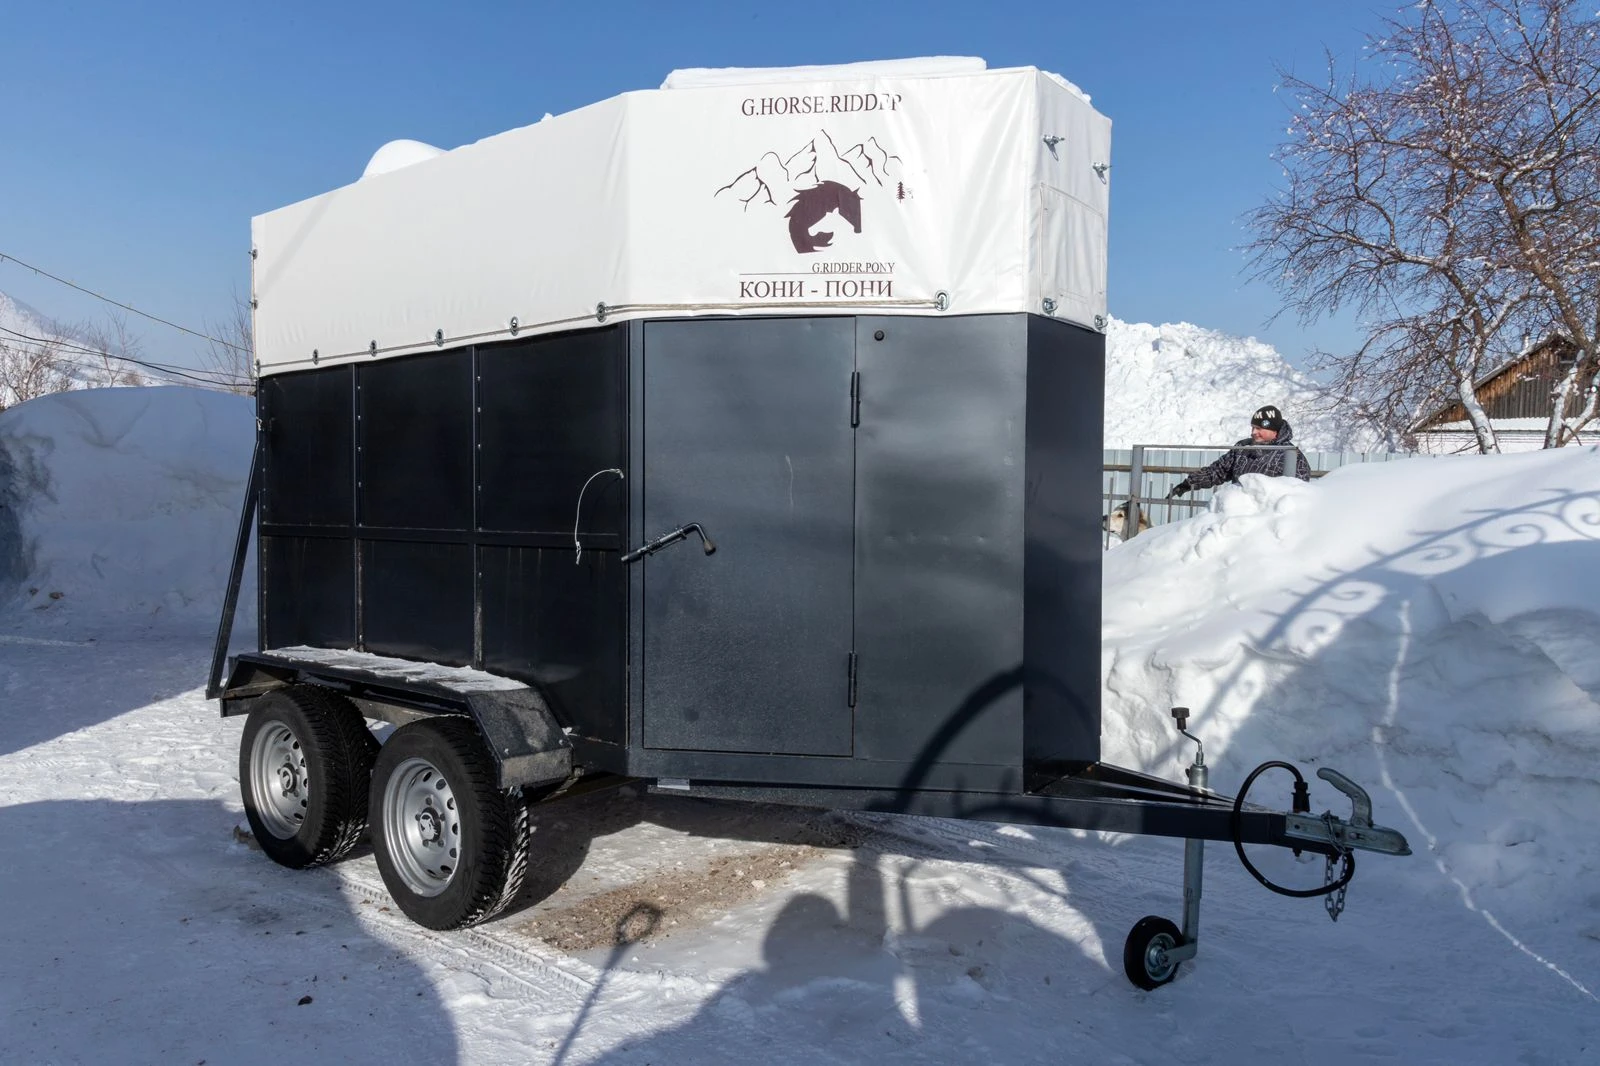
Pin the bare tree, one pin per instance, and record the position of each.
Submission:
(230, 356)
(29, 369)
(112, 353)
(1451, 201)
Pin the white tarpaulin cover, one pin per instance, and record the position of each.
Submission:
(965, 192)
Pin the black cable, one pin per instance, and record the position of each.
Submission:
(118, 303)
(203, 386)
(1238, 842)
(218, 379)
(57, 342)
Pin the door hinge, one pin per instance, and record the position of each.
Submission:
(852, 679)
(855, 398)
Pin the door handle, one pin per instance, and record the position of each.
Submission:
(670, 538)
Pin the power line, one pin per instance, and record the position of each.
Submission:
(117, 303)
(216, 379)
(214, 387)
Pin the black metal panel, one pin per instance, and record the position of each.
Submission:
(307, 456)
(415, 440)
(307, 592)
(722, 766)
(552, 412)
(939, 539)
(1066, 375)
(560, 627)
(417, 600)
(747, 431)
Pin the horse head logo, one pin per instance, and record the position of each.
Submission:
(810, 206)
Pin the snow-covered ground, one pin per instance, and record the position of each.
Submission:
(1427, 627)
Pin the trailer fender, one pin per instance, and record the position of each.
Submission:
(520, 731)
(528, 744)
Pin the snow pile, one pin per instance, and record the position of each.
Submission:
(916, 67)
(22, 329)
(19, 318)
(1428, 627)
(121, 503)
(1183, 384)
(397, 155)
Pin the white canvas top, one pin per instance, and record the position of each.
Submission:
(950, 190)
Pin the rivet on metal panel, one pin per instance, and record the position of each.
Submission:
(514, 325)
(1049, 306)
(877, 334)
(941, 300)
(438, 336)
(600, 311)
(372, 347)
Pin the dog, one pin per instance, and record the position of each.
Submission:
(1117, 521)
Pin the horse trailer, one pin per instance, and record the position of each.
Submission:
(742, 438)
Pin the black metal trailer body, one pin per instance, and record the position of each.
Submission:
(905, 512)
(892, 602)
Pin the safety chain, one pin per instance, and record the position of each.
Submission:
(1334, 901)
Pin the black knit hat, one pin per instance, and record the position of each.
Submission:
(1268, 417)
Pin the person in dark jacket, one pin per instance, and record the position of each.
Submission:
(1267, 427)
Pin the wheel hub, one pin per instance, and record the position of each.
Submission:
(288, 780)
(431, 827)
(1156, 962)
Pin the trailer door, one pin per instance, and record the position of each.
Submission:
(747, 432)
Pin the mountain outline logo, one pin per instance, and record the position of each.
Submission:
(815, 181)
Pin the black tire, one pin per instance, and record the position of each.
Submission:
(305, 767)
(451, 846)
(1143, 952)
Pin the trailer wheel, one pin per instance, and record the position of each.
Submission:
(304, 770)
(1144, 954)
(451, 846)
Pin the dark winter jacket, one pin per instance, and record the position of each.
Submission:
(1259, 459)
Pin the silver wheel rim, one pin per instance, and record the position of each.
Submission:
(1156, 963)
(422, 826)
(279, 780)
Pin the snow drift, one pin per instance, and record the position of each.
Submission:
(1428, 627)
(1183, 384)
(121, 505)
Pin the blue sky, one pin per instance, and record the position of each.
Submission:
(137, 140)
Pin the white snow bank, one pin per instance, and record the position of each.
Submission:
(917, 67)
(1183, 384)
(121, 504)
(397, 155)
(1429, 627)
(19, 317)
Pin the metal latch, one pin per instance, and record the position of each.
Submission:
(1358, 832)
